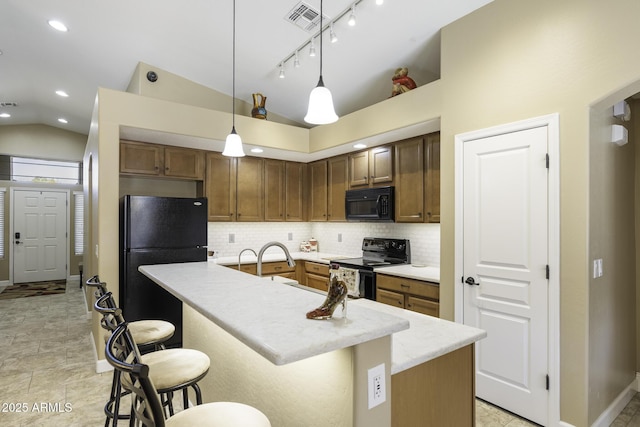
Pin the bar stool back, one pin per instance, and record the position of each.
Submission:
(121, 352)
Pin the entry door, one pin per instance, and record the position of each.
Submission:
(505, 267)
(40, 236)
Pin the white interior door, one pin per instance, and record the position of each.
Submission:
(40, 236)
(505, 227)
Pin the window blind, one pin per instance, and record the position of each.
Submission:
(78, 201)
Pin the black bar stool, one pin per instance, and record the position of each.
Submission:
(176, 369)
(122, 353)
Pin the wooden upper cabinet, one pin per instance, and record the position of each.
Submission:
(371, 168)
(432, 187)
(141, 158)
(338, 184)
(220, 187)
(410, 180)
(274, 190)
(183, 163)
(249, 189)
(294, 191)
(318, 192)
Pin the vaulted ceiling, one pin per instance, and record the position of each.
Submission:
(193, 39)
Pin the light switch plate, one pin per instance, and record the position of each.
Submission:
(376, 386)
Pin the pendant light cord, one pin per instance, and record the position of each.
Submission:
(320, 40)
(233, 67)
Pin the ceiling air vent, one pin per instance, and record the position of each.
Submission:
(304, 16)
(8, 104)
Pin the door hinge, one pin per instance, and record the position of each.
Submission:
(547, 382)
(547, 271)
(547, 160)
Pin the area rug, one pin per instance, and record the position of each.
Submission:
(23, 290)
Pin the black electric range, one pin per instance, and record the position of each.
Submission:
(376, 252)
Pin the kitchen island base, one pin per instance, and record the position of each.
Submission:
(329, 389)
(440, 392)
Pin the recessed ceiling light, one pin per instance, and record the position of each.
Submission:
(61, 120)
(62, 93)
(257, 150)
(360, 146)
(5, 115)
(58, 25)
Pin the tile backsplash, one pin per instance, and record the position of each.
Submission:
(229, 238)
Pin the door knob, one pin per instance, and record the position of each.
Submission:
(471, 281)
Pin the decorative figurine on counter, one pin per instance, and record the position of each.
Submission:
(402, 82)
(337, 294)
(258, 111)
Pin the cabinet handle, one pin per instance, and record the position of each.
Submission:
(420, 214)
(278, 268)
(402, 285)
(400, 303)
(239, 214)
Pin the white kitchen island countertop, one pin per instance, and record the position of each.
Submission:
(268, 316)
(426, 339)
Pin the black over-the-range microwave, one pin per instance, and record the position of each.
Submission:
(370, 204)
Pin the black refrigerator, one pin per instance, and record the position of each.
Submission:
(158, 230)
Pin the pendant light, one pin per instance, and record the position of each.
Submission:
(233, 144)
(321, 109)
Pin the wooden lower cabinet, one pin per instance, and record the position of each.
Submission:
(440, 392)
(277, 268)
(415, 295)
(316, 275)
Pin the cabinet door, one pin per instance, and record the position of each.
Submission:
(359, 169)
(141, 158)
(318, 193)
(294, 191)
(183, 163)
(338, 186)
(390, 298)
(410, 180)
(381, 165)
(317, 282)
(249, 189)
(432, 187)
(423, 306)
(274, 190)
(317, 268)
(220, 187)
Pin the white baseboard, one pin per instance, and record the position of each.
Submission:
(101, 364)
(606, 418)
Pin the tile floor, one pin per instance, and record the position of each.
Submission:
(47, 368)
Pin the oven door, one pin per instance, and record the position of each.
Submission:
(368, 284)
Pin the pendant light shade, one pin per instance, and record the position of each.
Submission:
(320, 111)
(233, 143)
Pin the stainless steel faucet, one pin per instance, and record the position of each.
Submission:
(290, 260)
(240, 254)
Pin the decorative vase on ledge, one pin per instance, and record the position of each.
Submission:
(258, 111)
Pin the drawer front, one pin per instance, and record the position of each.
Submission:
(316, 268)
(317, 282)
(246, 268)
(391, 298)
(423, 306)
(271, 268)
(408, 286)
(288, 275)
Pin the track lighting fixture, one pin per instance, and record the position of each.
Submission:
(296, 61)
(352, 17)
(281, 75)
(312, 48)
(332, 34)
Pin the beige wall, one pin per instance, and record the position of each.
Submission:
(612, 306)
(517, 59)
(509, 61)
(43, 142)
